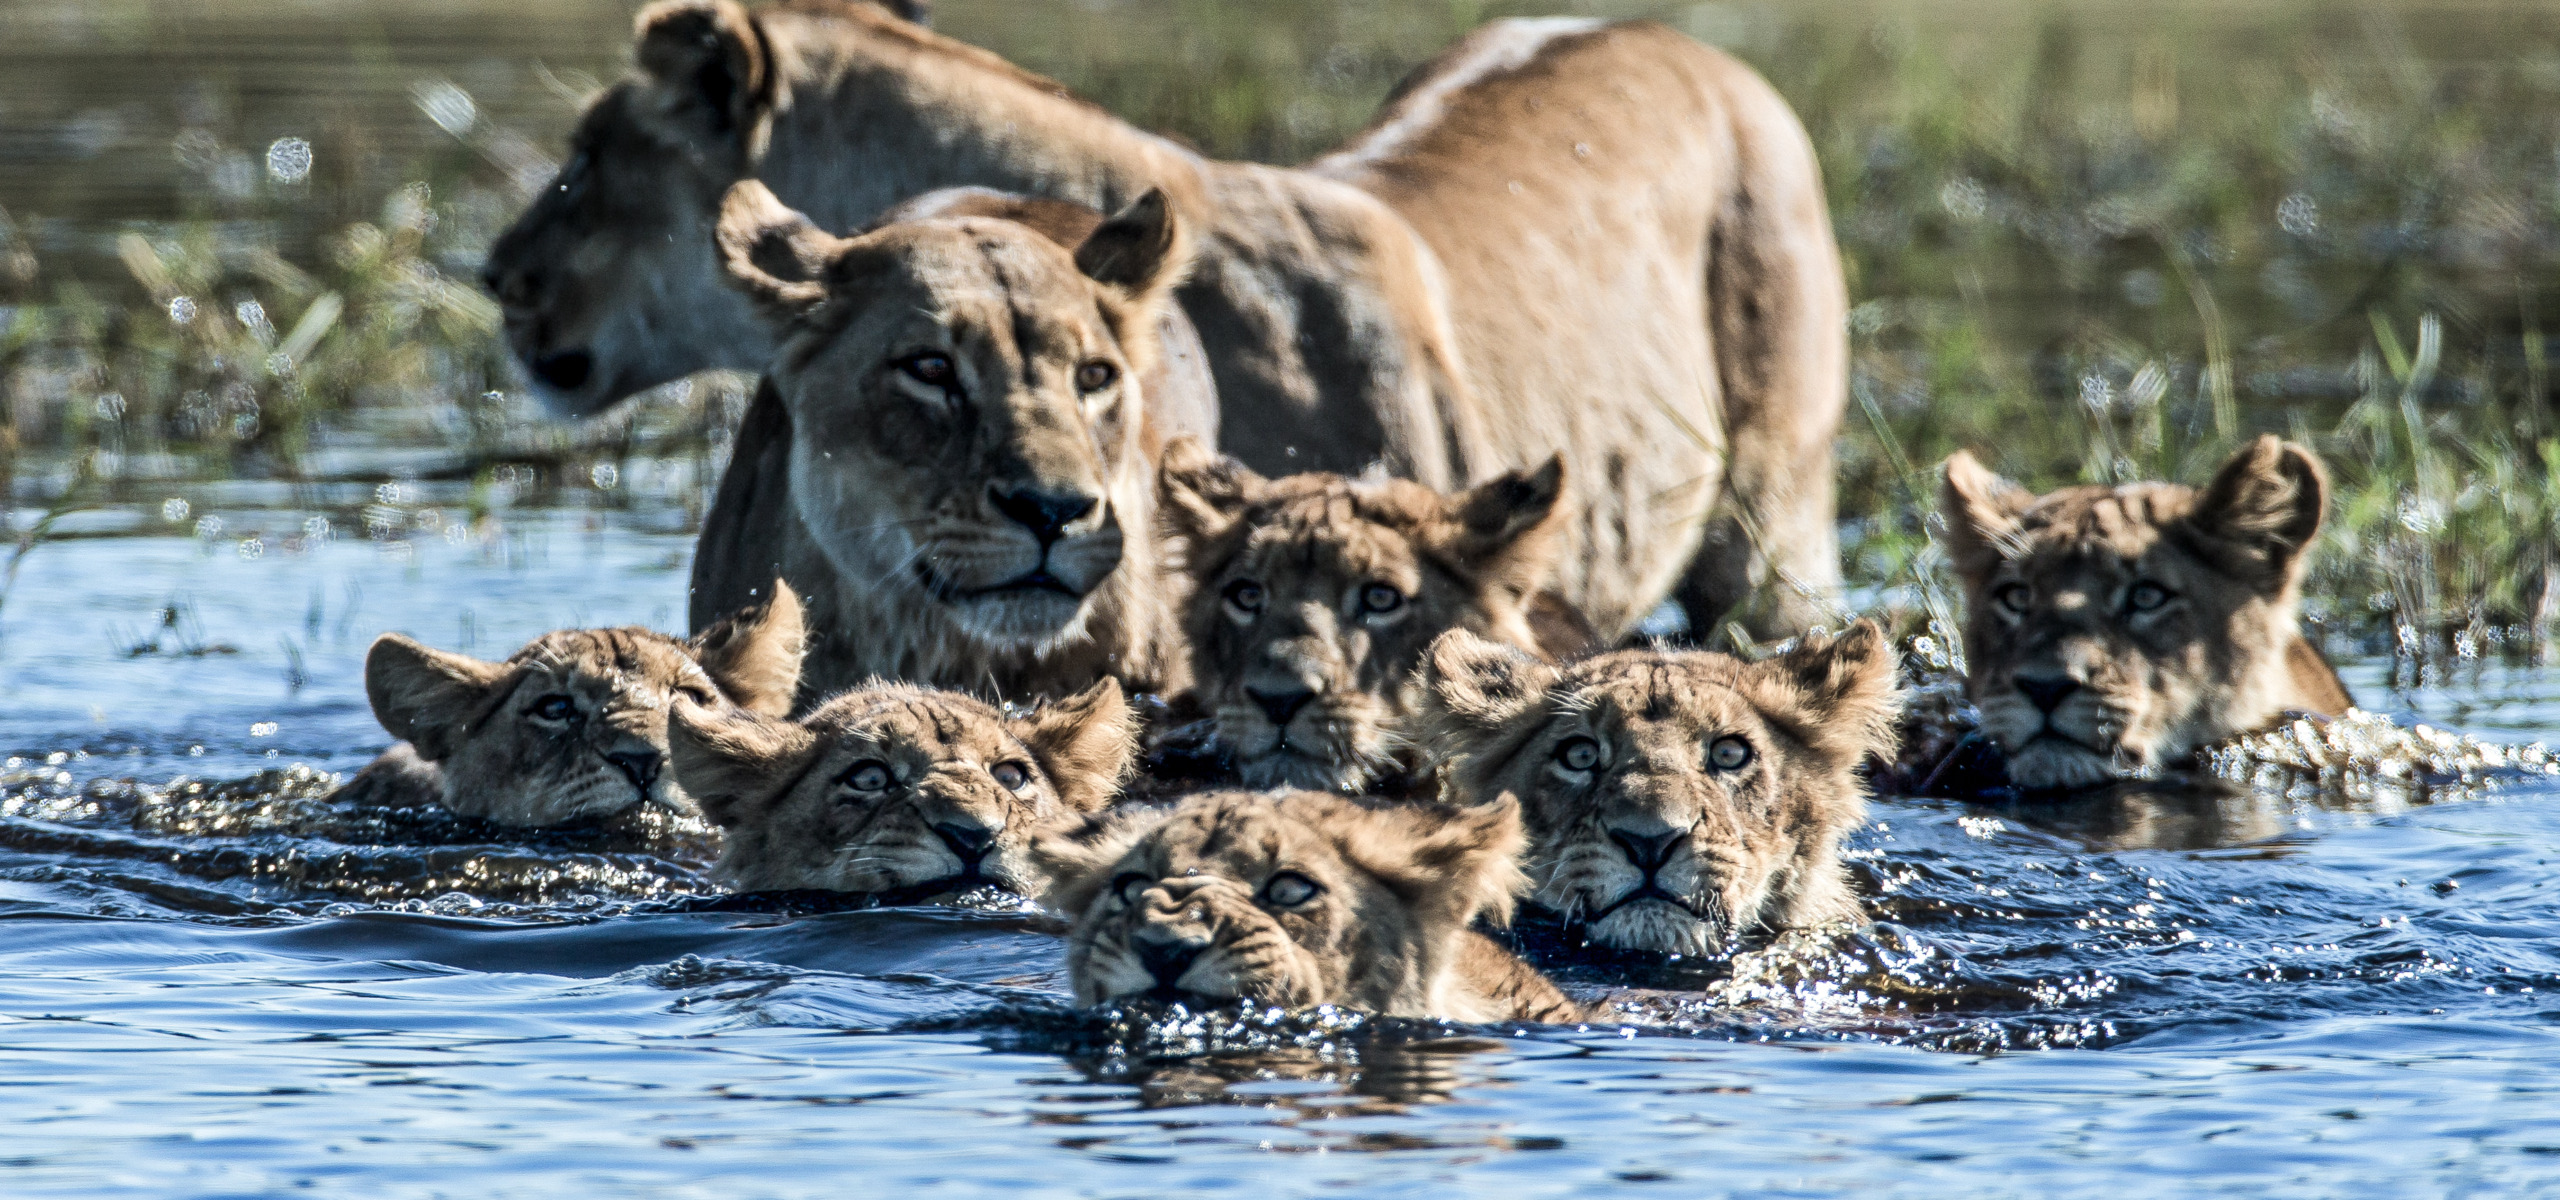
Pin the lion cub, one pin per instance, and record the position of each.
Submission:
(1675, 800)
(1298, 899)
(1313, 597)
(2113, 630)
(572, 728)
(898, 791)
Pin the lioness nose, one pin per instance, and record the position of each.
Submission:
(1280, 706)
(2047, 694)
(1648, 851)
(1166, 960)
(1045, 514)
(968, 839)
(640, 765)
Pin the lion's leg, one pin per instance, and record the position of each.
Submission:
(739, 553)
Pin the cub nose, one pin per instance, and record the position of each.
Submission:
(640, 766)
(968, 839)
(1045, 514)
(2047, 694)
(1280, 706)
(1168, 958)
(1648, 851)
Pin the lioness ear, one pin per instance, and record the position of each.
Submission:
(1503, 524)
(733, 762)
(1844, 686)
(2264, 507)
(1981, 511)
(1077, 853)
(754, 653)
(1141, 249)
(772, 253)
(710, 62)
(1474, 683)
(427, 697)
(1202, 493)
(1085, 743)
(1449, 862)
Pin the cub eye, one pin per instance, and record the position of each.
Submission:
(698, 696)
(1011, 776)
(1578, 754)
(1729, 754)
(2146, 596)
(1378, 599)
(869, 775)
(1095, 376)
(1289, 889)
(554, 708)
(2014, 597)
(932, 370)
(1246, 595)
(1130, 885)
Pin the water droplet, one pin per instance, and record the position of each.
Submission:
(288, 160)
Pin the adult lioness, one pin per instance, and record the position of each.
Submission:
(971, 502)
(571, 728)
(1600, 240)
(2113, 630)
(1675, 800)
(897, 790)
(1312, 598)
(1298, 899)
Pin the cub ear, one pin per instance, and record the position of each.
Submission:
(1085, 743)
(2264, 507)
(1981, 511)
(1844, 686)
(428, 697)
(733, 762)
(1504, 523)
(754, 653)
(709, 63)
(1202, 493)
(1449, 862)
(1076, 854)
(773, 253)
(1472, 683)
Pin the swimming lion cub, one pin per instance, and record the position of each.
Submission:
(2113, 630)
(1675, 800)
(571, 728)
(1298, 899)
(896, 790)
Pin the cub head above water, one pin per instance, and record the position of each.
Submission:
(1674, 800)
(1297, 899)
(2110, 631)
(1313, 597)
(898, 790)
(572, 728)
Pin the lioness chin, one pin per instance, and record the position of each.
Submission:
(1674, 800)
(2112, 631)
(1297, 899)
(572, 728)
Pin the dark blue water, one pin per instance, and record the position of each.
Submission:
(241, 990)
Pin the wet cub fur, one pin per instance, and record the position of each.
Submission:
(1298, 899)
(572, 728)
(898, 790)
(2110, 631)
(1312, 598)
(1674, 800)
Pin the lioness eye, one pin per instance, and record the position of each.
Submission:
(1729, 754)
(1095, 376)
(869, 775)
(1289, 889)
(1378, 599)
(932, 370)
(2146, 596)
(2014, 597)
(1578, 754)
(1011, 776)
(1130, 885)
(1246, 595)
(555, 708)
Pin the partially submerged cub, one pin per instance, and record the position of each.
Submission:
(1674, 800)
(1313, 597)
(897, 790)
(1298, 899)
(2113, 630)
(572, 728)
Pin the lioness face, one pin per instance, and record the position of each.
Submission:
(896, 789)
(2112, 630)
(573, 728)
(1313, 598)
(963, 400)
(1293, 899)
(1673, 800)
